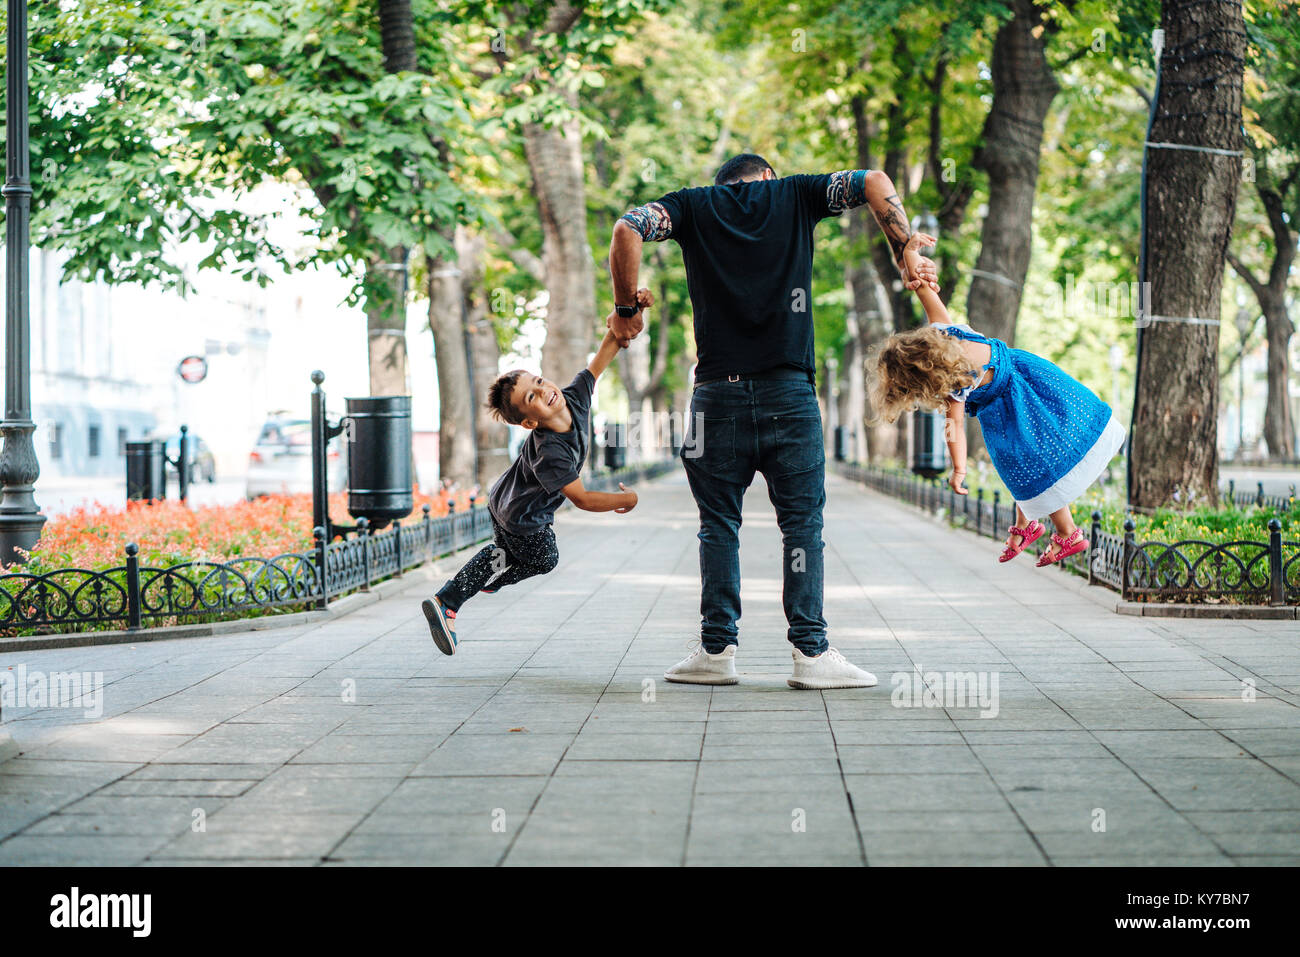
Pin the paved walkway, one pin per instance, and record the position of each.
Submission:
(552, 737)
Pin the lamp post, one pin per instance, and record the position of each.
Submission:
(20, 517)
(1245, 323)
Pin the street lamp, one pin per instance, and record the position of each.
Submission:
(20, 517)
(1245, 323)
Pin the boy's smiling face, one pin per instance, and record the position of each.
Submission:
(541, 403)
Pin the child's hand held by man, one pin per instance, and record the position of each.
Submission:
(629, 496)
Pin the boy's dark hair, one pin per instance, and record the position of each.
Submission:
(738, 167)
(503, 410)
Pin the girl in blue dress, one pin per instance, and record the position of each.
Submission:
(1049, 436)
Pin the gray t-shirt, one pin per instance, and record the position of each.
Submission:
(525, 497)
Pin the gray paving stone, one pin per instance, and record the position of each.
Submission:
(540, 743)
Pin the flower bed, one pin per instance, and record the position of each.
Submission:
(163, 564)
(170, 532)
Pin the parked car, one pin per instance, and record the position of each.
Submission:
(280, 462)
(203, 464)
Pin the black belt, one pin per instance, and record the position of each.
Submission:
(767, 375)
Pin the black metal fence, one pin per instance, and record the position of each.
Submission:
(135, 595)
(1192, 571)
(1238, 499)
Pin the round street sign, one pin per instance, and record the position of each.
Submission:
(193, 369)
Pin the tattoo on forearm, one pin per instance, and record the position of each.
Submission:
(651, 221)
(895, 228)
(847, 189)
(893, 223)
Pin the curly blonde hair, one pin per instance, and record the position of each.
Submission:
(916, 369)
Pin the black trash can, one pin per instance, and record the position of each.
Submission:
(929, 450)
(146, 477)
(615, 445)
(379, 458)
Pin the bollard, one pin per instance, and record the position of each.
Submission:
(321, 546)
(183, 463)
(1276, 586)
(397, 544)
(1129, 548)
(1093, 538)
(363, 533)
(997, 496)
(979, 512)
(134, 614)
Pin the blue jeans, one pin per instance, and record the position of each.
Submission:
(736, 429)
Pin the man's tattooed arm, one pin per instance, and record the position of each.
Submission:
(847, 189)
(851, 188)
(651, 221)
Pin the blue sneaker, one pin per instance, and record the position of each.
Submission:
(440, 625)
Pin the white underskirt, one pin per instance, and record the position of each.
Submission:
(1076, 481)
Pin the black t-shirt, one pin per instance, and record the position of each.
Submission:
(525, 497)
(748, 250)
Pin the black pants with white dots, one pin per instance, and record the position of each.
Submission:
(508, 560)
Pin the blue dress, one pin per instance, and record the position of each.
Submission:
(1049, 436)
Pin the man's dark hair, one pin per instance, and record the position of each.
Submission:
(738, 167)
(503, 410)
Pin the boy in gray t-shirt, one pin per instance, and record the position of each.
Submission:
(523, 500)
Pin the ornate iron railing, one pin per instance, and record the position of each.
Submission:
(134, 595)
(1281, 502)
(1191, 571)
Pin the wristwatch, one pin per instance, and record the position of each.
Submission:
(625, 312)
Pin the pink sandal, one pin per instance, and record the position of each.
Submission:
(1068, 546)
(1028, 535)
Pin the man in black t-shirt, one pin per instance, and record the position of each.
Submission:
(747, 243)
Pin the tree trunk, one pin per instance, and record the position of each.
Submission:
(455, 398)
(1023, 90)
(872, 315)
(397, 30)
(1279, 428)
(386, 313)
(1191, 200)
(642, 367)
(491, 437)
(386, 325)
(554, 157)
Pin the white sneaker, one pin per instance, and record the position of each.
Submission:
(702, 668)
(828, 670)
